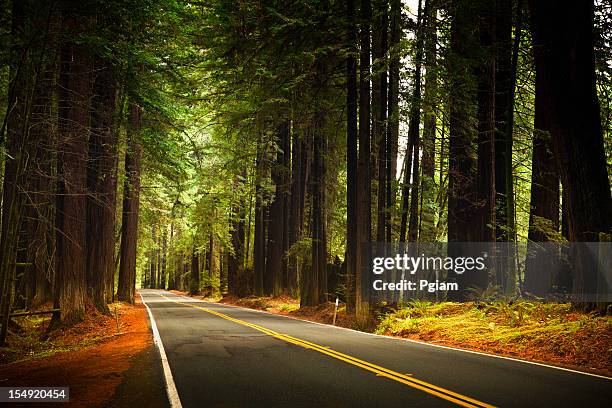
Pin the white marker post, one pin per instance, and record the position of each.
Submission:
(335, 312)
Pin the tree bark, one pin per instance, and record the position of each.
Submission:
(276, 238)
(296, 208)
(259, 245)
(505, 78)
(194, 277)
(364, 196)
(428, 194)
(74, 128)
(564, 56)
(414, 129)
(486, 125)
(314, 288)
(393, 115)
(235, 268)
(164, 260)
(131, 205)
(102, 187)
(351, 157)
(153, 258)
(462, 184)
(379, 122)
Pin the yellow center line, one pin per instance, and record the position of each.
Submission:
(408, 380)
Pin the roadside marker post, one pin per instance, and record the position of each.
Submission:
(335, 312)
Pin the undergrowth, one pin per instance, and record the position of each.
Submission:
(518, 328)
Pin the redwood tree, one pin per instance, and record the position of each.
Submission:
(102, 187)
(565, 58)
(131, 204)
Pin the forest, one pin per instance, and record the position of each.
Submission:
(259, 147)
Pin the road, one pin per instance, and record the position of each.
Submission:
(222, 356)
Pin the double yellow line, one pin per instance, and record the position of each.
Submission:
(410, 381)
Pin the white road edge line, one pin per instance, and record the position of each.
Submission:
(173, 397)
(408, 340)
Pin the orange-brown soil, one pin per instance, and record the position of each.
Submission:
(93, 358)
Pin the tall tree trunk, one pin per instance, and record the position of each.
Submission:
(314, 288)
(364, 196)
(320, 210)
(486, 125)
(131, 204)
(505, 82)
(235, 268)
(74, 129)
(39, 183)
(428, 194)
(462, 161)
(259, 245)
(164, 254)
(153, 258)
(274, 260)
(159, 257)
(505, 78)
(379, 117)
(407, 174)
(413, 131)
(393, 116)
(212, 260)
(351, 157)
(564, 57)
(286, 196)
(545, 192)
(296, 207)
(463, 134)
(102, 187)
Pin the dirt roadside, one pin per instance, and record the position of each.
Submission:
(96, 360)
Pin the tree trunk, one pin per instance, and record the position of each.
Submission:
(153, 258)
(131, 203)
(505, 82)
(364, 196)
(276, 238)
(351, 158)
(428, 194)
(505, 78)
(286, 196)
(486, 126)
(413, 131)
(379, 122)
(314, 288)
(463, 134)
(319, 250)
(74, 122)
(102, 187)
(564, 57)
(393, 116)
(259, 245)
(235, 268)
(194, 277)
(164, 254)
(296, 207)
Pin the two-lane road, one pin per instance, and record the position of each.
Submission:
(221, 356)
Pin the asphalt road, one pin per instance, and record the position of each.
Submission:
(222, 356)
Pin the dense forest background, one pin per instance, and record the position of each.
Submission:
(256, 146)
